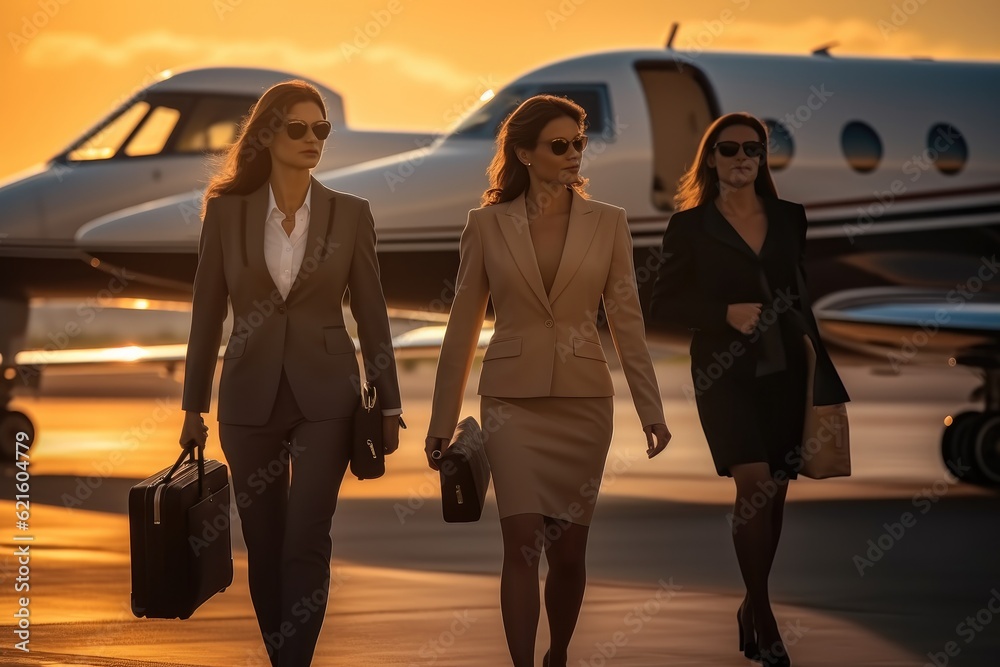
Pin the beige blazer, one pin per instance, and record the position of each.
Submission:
(544, 344)
(305, 333)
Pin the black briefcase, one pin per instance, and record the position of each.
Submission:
(179, 537)
(465, 474)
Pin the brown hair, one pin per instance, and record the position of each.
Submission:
(700, 183)
(508, 175)
(246, 165)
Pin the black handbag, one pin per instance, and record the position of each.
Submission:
(465, 474)
(367, 448)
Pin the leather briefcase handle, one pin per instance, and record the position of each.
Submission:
(195, 454)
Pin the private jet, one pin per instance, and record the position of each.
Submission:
(152, 150)
(896, 160)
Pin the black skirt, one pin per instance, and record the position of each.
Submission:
(758, 419)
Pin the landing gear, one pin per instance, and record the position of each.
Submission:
(13, 325)
(12, 424)
(970, 445)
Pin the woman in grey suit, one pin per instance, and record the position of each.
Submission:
(548, 257)
(283, 249)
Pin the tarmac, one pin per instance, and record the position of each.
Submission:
(410, 590)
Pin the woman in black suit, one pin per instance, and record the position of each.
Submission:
(731, 258)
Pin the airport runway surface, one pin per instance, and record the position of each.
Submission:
(897, 565)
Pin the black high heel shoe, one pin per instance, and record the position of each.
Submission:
(775, 655)
(768, 659)
(749, 647)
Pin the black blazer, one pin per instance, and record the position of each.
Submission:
(706, 265)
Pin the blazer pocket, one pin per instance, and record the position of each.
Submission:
(505, 347)
(588, 349)
(337, 341)
(236, 346)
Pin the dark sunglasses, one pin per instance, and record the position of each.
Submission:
(560, 146)
(297, 129)
(752, 149)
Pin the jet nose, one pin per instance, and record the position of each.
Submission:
(170, 224)
(21, 207)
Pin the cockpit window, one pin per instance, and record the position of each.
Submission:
(153, 135)
(164, 124)
(106, 142)
(485, 121)
(212, 124)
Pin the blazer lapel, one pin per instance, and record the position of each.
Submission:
(255, 208)
(717, 225)
(579, 235)
(319, 237)
(775, 225)
(514, 226)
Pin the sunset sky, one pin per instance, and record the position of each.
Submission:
(66, 63)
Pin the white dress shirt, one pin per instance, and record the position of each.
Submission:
(283, 253)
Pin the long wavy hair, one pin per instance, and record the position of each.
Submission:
(508, 175)
(246, 165)
(700, 184)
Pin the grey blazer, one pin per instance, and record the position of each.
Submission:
(305, 333)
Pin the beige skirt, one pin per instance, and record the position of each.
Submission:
(547, 454)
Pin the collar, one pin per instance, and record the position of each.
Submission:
(272, 205)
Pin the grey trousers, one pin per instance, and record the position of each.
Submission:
(286, 477)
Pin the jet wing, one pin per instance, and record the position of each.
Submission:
(907, 325)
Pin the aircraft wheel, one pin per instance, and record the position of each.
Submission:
(13, 422)
(986, 448)
(951, 448)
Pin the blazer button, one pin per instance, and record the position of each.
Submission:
(549, 324)
(281, 309)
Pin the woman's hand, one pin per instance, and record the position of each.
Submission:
(194, 429)
(662, 435)
(390, 433)
(743, 316)
(431, 447)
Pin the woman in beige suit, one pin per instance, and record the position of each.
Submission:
(547, 256)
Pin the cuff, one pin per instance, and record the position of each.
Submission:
(388, 412)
